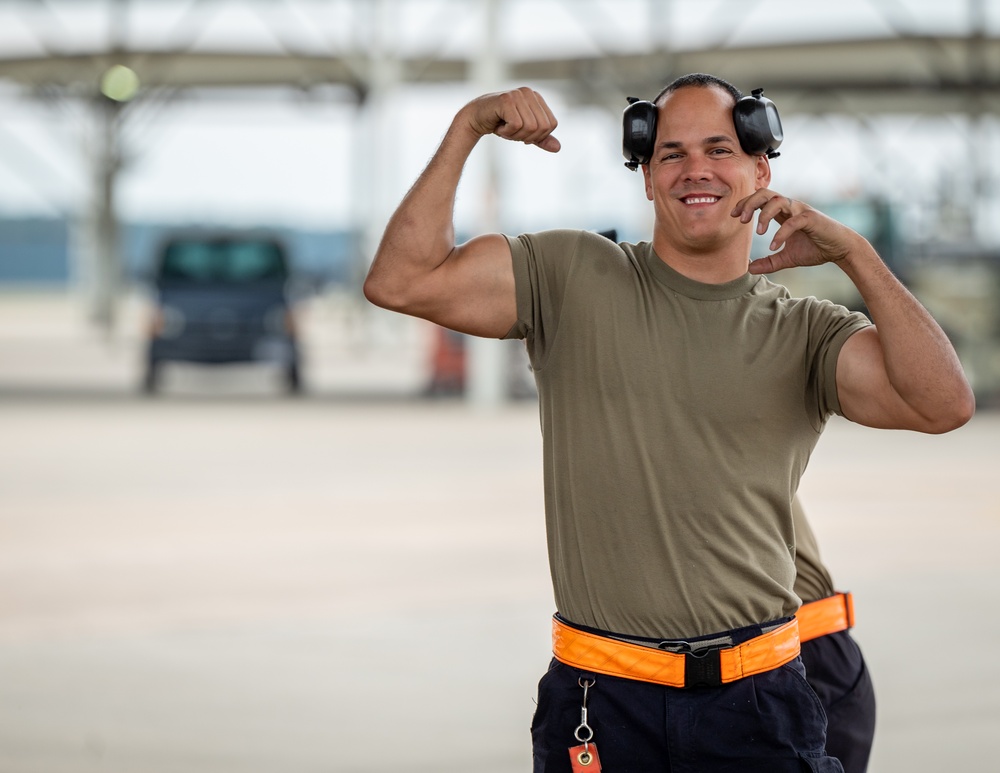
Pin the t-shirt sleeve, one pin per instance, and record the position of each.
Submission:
(830, 327)
(542, 262)
(523, 261)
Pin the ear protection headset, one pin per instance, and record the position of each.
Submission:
(758, 128)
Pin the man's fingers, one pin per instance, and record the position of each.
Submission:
(542, 138)
(767, 201)
(775, 208)
(548, 119)
(549, 115)
(805, 237)
(525, 117)
(790, 226)
(745, 208)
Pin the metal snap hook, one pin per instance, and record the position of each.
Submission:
(584, 733)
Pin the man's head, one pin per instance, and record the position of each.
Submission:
(698, 170)
(701, 79)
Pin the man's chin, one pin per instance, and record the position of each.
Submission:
(711, 239)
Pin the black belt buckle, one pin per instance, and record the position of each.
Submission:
(703, 669)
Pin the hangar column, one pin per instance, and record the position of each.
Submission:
(372, 158)
(100, 263)
(101, 256)
(488, 358)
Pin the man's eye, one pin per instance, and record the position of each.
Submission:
(720, 152)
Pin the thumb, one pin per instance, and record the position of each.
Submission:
(550, 143)
(765, 265)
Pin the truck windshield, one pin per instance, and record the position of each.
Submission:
(222, 261)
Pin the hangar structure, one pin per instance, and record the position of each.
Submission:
(918, 62)
(907, 57)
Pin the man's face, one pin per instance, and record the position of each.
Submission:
(698, 172)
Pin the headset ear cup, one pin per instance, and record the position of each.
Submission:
(638, 132)
(758, 125)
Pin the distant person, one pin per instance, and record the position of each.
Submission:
(835, 667)
(681, 394)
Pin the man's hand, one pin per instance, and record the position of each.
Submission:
(806, 237)
(520, 115)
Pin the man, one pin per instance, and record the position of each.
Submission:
(680, 397)
(835, 667)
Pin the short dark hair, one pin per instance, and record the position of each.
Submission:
(702, 80)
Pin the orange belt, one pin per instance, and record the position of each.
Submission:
(711, 668)
(829, 615)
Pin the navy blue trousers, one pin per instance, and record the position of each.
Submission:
(836, 670)
(768, 723)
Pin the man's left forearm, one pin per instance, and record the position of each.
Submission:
(920, 362)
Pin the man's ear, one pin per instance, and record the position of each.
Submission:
(763, 178)
(648, 180)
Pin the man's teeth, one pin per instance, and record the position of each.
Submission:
(701, 200)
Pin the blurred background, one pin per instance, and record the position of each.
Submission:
(249, 522)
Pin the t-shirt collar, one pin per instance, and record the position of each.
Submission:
(693, 288)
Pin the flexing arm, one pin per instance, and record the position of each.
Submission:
(418, 269)
(903, 373)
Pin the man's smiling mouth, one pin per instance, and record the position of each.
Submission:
(700, 199)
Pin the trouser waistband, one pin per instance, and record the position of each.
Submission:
(709, 667)
(830, 615)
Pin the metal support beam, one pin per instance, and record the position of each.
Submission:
(373, 165)
(487, 357)
(99, 257)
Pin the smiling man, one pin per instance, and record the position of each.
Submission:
(681, 395)
(697, 175)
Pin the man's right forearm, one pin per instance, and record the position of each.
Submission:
(418, 269)
(421, 233)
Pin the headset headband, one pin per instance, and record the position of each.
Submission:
(758, 128)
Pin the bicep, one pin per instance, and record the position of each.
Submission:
(472, 291)
(863, 387)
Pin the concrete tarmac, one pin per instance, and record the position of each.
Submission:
(225, 579)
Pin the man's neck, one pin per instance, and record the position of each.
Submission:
(708, 267)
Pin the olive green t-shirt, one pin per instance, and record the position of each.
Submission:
(812, 578)
(677, 418)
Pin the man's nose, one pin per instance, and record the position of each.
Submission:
(696, 167)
